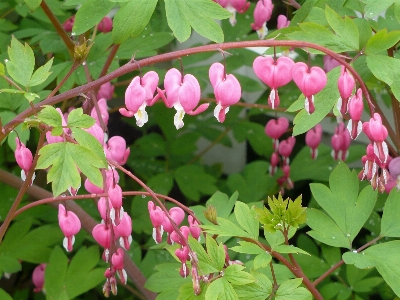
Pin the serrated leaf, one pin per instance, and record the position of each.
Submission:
(381, 41)
(41, 74)
(184, 14)
(64, 159)
(31, 96)
(21, 63)
(225, 228)
(258, 290)
(76, 118)
(289, 249)
(131, 19)
(220, 289)
(205, 265)
(248, 248)
(90, 14)
(235, 275)
(289, 290)
(247, 219)
(215, 252)
(390, 224)
(373, 8)
(50, 116)
(262, 260)
(324, 101)
(343, 27)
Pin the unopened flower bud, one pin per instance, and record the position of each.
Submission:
(211, 214)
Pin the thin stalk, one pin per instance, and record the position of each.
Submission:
(109, 60)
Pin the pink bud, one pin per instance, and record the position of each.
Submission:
(105, 25)
(227, 90)
(102, 103)
(24, 157)
(262, 14)
(68, 24)
(313, 139)
(273, 164)
(157, 218)
(115, 195)
(102, 234)
(177, 215)
(282, 22)
(346, 85)
(38, 277)
(70, 226)
(117, 259)
(183, 254)
(97, 132)
(185, 231)
(310, 81)
(330, 63)
(102, 207)
(138, 95)
(183, 93)
(378, 133)
(275, 128)
(356, 107)
(194, 228)
(124, 231)
(286, 147)
(117, 150)
(106, 91)
(394, 167)
(234, 6)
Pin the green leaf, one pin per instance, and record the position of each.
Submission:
(206, 265)
(289, 290)
(225, 228)
(289, 249)
(64, 159)
(390, 224)
(193, 181)
(324, 101)
(381, 41)
(325, 229)
(12, 91)
(258, 290)
(9, 264)
(235, 275)
(386, 69)
(184, 14)
(76, 118)
(262, 260)
(33, 4)
(248, 248)
(50, 116)
(55, 273)
(90, 14)
(2, 70)
(31, 96)
(373, 8)
(21, 63)
(247, 219)
(221, 289)
(303, 11)
(343, 204)
(131, 19)
(385, 257)
(216, 252)
(157, 282)
(343, 27)
(4, 295)
(222, 203)
(41, 74)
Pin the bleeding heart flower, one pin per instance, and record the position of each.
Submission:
(117, 150)
(183, 93)
(356, 107)
(70, 226)
(227, 90)
(274, 74)
(275, 128)
(313, 139)
(106, 91)
(234, 6)
(262, 14)
(24, 158)
(282, 22)
(310, 82)
(138, 95)
(346, 85)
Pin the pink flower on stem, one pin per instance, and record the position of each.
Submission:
(285, 181)
(105, 25)
(273, 166)
(313, 139)
(117, 260)
(227, 90)
(346, 85)
(262, 14)
(273, 73)
(115, 195)
(285, 149)
(24, 158)
(183, 255)
(117, 150)
(177, 215)
(356, 107)
(70, 226)
(182, 93)
(282, 22)
(102, 104)
(234, 6)
(97, 132)
(38, 277)
(194, 228)
(124, 230)
(68, 24)
(138, 95)
(310, 81)
(330, 63)
(377, 133)
(185, 231)
(275, 128)
(157, 219)
(106, 91)
(102, 233)
(91, 188)
(57, 139)
(340, 143)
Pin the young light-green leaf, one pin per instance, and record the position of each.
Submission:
(215, 252)
(262, 260)
(50, 116)
(225, 228)
(390, 224)
(206, 265)
(21, 63)
(235, 275)
(290, 290)
(381, 41)
(131, 19)
(87, 140)
(247, 219)
(90, 14)
(374, 8)
(221, 289)
(248, 248)
(41, 74)
(76, 118)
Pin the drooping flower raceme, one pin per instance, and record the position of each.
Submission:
(138, 95)
(274, 74)
(262, 14)
(70, 226)
(227, 90)
(310, 81)
(182, 93)
(234, 6)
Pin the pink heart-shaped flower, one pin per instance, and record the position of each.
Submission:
(309, 80)
(273, 73)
